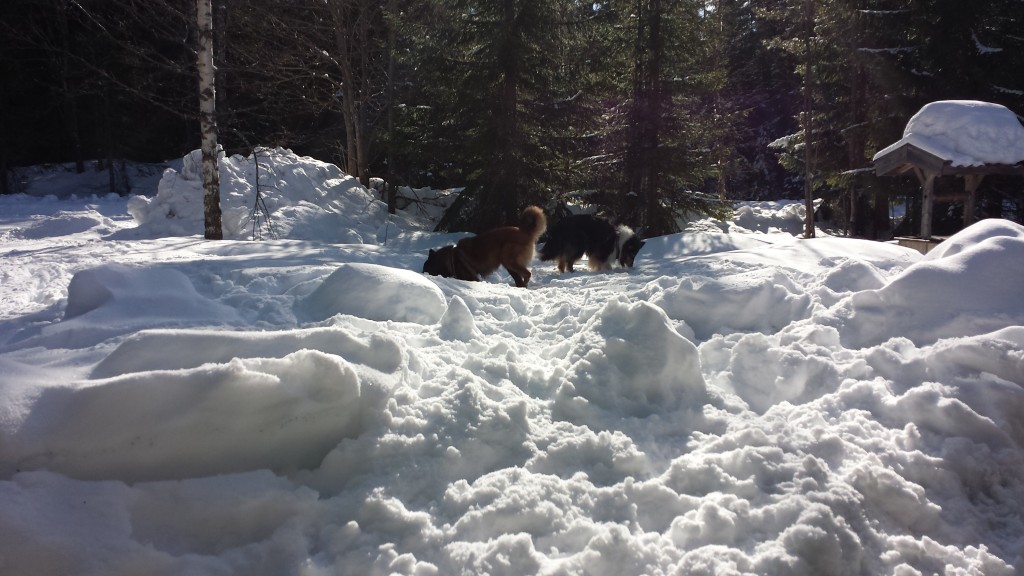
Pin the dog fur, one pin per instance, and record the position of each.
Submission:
(477, 256)
(573, 236)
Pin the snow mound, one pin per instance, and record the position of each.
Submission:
(774, 217)
(245, 414)
(115, 299)
(306, 199)
(457, 322)
(134, 291)
(770, 217)
(765, 300)
(62, 224)
(375, 292)
(630, 360)
(151, 349)
(672, 246)
(961, 291)
(978, 233)
(966, 133)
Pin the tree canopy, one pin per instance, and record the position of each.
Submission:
(643, 110)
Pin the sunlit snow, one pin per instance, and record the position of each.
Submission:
(743, 401)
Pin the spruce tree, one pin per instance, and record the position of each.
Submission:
(502, 90)
(657, 141)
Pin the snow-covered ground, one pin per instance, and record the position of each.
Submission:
(741, 402)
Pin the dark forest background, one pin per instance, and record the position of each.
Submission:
(646, 109)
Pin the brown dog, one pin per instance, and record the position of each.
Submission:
(477, 256)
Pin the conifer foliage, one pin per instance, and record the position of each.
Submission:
(503, 92)
(647, 111)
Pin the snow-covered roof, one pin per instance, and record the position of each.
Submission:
(965, 133)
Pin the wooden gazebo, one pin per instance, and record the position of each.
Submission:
(945, 139)
(927, 167)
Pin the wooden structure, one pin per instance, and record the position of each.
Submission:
(927, 166)
(922, 245)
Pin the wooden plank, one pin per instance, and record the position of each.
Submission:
(905, 158)
(925, 160)
(920, 244)
(971, 183)
(894, 162)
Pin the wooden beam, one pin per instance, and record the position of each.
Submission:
(927, 203)
(905, 157)
(971, 183)
(995, 169)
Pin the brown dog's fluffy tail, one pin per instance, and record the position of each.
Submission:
(533, 222)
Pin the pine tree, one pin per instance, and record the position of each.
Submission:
(761, 95)
(503, 93)
(657, 143)
(798, 22)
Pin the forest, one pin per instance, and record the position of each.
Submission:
(643, 109)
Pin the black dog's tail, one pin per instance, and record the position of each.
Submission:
(533, 222)
(551, 249)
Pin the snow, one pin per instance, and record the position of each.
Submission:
(743, 401)
(965, 133)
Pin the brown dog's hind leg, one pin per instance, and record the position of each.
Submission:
(519, 273)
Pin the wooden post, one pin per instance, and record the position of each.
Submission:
(927, 204)
(853, 212)
(971, 183)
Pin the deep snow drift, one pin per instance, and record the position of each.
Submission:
(742, 402)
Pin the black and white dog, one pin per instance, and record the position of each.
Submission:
(603, 243)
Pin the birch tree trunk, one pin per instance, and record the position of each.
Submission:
(208, 122)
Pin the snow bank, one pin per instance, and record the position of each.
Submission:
(305, 199)
(115, 299)
(752, 219)
(149, 349)
(245, 414)
(961, 290)
(377, 293)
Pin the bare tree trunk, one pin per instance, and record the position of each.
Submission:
(363, 24)
(808, 118)
(70, 101)
(208, 122)
(389, 186)
(5, 175)
(719, 108)
(220, 27)
(344, 13)
(504, 191)
(643, 165)
(652, 198)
